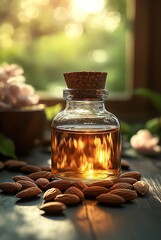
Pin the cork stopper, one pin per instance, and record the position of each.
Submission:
(85, 80)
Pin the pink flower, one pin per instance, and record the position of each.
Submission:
(14, 92)
(144, 142)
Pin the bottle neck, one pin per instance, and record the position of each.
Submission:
(85, 94)
(85, 100)
(86, 106)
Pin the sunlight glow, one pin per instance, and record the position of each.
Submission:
(60, 14)
(80, 9)
(113, 21)
(74, 30)
(88, 6)
(7, 28)
(32, 216)
(5, 41)
(99, 55)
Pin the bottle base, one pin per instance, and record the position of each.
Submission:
(93, 175)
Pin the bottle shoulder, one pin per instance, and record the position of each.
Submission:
(69, 118)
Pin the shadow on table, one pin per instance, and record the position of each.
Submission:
(29, 202)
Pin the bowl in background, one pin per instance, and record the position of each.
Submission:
(24, 126)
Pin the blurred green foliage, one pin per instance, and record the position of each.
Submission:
(52, 111)
(7, 147)
(154, 124)
(38, 36)
(153, 96)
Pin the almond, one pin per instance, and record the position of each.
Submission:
(51, 193)
(103, 183)
(53, 207)
(109, 198)
(79, 184)
(27, 184)
(29, 192)
(42, 183)
(10, 187)
(60, 184)
(68, 199)
(10, 161)
(124, 164)
(94, 191)
(76, 191)
(16, 165)
(41, 174)
(132, 174)
(46, 168)
(141, 187)
(21, 177)
(30, 169)
(1, 165)
(122, 185)
(127, 194)
(126, 180)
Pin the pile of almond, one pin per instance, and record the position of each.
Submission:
(59, 193)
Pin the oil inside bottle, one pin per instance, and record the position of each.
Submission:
(86, 154)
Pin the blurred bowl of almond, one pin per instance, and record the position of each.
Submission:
(25, 126)
(22, 118)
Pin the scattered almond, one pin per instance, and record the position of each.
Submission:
(126, 180)
(94, 191)
(127, 194)
(29, 192)
(76, 191)
(46, 168)
(42, 183)
(10, 161)
(103, 183)
(41, 174)
(53, 207)
(51, 193)
(109, 198)
(141, 187)
(21, 177)
(1, 165)
(16, 165)
(122, 185)
(79, 184)
(30, 169)
(10, 187)
(61, 184)
(124, 164)
(26, 184)
(132, 174)
(68, 199)
(115, 191)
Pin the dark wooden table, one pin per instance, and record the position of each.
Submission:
(137, 220)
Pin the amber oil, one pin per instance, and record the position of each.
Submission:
(86, 154)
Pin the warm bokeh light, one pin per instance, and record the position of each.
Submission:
(66, 35)
(80, 9)
(74, 30)
(99, 55)
(112, 21)
(61, 14)
(88, 6)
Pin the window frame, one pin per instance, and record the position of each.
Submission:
(146, 67)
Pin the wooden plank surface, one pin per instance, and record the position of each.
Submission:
(137, 220)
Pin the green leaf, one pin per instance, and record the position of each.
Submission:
(7, 147)
(125, 127)
(130, 129)
(52, 111)
(152, 96)
(154, 125)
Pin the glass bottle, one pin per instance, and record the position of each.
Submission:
(85, 138)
